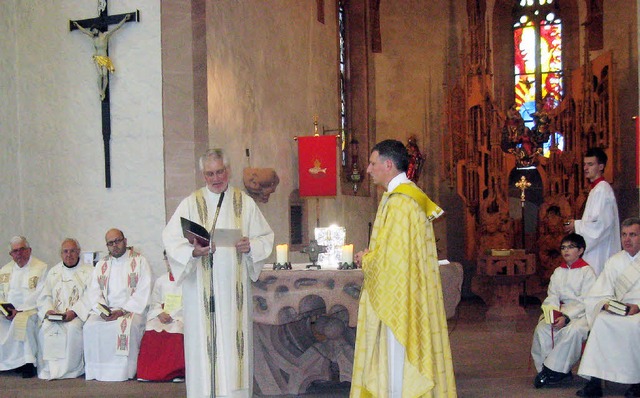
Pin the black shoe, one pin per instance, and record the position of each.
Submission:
(549, 377)
(591, 390)
(633, 391)
(28, 371)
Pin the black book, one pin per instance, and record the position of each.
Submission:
(5, 308)
(194, 231)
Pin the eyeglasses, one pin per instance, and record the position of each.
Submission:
(68, 251)
(567, 247)
(217, 173)
(114, 242)
(18, 251)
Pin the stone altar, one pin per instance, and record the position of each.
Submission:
(499, 280)
(304, 325)
(304, 328)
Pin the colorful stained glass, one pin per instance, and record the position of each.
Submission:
(538, 77)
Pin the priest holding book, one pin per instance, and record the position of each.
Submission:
(216, 281)
(21, 282)
(118, 294)
(612, 351)
(63, 311)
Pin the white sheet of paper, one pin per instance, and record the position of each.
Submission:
(226, 237)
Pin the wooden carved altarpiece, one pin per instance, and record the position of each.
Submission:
(478, 169)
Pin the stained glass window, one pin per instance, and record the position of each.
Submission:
(537, 33)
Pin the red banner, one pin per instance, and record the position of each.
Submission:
(317, 165)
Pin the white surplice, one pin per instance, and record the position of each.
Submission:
(567, 291)
(600, 226)
(102, 362)
(20, 287)
(61, 352)
(162, 289)
(234, 369)
(612, 351)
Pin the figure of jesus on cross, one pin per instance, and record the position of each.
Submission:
(98, 30)
(101, 57)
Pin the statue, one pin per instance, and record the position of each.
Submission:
(415, 159)
(496, 227)
(552, 214)
(519, 140)
(101, 57)
(260, 183)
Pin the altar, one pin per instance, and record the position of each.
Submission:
(304, 323)
(501, 279)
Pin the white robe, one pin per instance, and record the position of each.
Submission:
(600, 226)
(61, 352)
(230, 381)
(22, 291)
(101, 360)
(569, 287)
(612, 351)
(163, 287)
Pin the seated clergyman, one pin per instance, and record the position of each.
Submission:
(63, 310)
(118, 294)
(612, 350)
(21, 281)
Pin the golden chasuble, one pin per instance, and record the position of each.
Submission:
(402, 291)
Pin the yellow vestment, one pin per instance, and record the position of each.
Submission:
(402, 291)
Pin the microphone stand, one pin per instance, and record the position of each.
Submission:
(212, 300)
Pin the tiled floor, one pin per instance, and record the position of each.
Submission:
(491, 359)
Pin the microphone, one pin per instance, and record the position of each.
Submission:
(215, 220)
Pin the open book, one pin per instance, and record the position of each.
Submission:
(5, 308)
(551, 313)
(194, 232)
(222, 237)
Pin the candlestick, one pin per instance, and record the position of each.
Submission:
(282, 254)
(347, 253)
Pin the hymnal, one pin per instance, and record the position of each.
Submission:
(5, 308)
(551, 313)
(55, 317)
(194, 231)
(104, 309)
(618, 308)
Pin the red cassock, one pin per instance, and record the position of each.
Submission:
(161, 356)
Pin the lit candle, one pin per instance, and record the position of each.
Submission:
(282, 254)
(347, 254)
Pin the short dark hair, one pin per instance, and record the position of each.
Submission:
(395, 151)
(630, 221)
(576, 239)
(599, 154)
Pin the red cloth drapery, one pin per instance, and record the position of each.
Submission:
(317, 165)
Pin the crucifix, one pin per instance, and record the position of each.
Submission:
(98, 30)
(522, 185)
